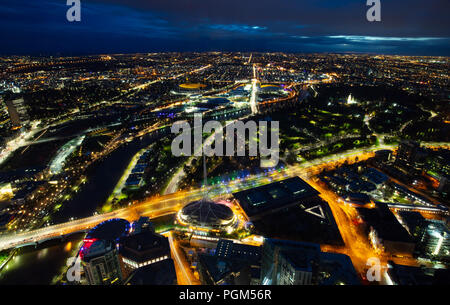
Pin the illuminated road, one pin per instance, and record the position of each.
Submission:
(253, 101)
(158, 206)
(182, 269)
(154, 207)
(161, 205)
(356, 243)
(173, 77)
(21, 140)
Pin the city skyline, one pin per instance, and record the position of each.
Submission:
(202, 142)
(407, 27)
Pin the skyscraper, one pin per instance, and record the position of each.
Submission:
(17, 112)
(142, 249)
(288, 262)
(101, 263)
(99, 253)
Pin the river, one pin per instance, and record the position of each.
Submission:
(102, 179)
(43, 264)
(40, 265)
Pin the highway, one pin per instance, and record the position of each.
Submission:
(159, 205)
(182, 269)
(356, 242)
(253, 97)
(143, 86)
(20, 140)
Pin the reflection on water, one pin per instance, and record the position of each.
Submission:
(103, 178)
(68, 246)
(41, 265)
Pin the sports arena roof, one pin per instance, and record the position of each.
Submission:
(274, 195)
(206, 213)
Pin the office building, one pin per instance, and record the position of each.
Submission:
(99, 253)
(434, 241)
(101, 262)
(289, 263)
(142, 249)
(17, 112)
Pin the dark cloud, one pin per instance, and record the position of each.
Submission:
(399, 17)
(30, 26)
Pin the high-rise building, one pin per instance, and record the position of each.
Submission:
(336, 269)
(145, 257)
(300, 263)
(434, 241)
(409, 275)
(413, 222)
(101, 262)
(295, 268)
(385, 231)
(17, 112)
(238, 253)
(161, 273)
(288, 262)
(99, 253)
(142, 249)
(115, 252)
(229, 249)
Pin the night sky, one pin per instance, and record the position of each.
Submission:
(40, 27)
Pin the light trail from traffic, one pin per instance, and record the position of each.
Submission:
(184, 274)
(253, 97)
(356, 242)
(173, 202)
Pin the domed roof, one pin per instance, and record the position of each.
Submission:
(103, 237)
(110, 229)
(207, 213)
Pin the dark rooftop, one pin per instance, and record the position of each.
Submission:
(338, 268)
(219, 267)
(109, 230)
(143, 246)
(408, 275)
(230, 249)
(274, 195)
(299, 259)
(385, 223)
(161, 273)
(306, 219)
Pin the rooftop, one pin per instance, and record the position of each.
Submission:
(143, 246)
(161, 273)
(274, 195)
(385, 223)
(206, 213)
(109, 230)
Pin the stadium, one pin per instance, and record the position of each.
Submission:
(107, 232)
(206, 214)
(189, 89)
